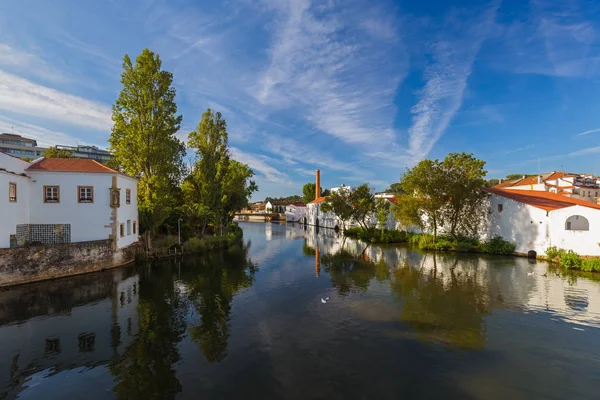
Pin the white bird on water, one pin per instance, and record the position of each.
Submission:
(530, 273)
(323, 301)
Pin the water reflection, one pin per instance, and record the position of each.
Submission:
(218, 324)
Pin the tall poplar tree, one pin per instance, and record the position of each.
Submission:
(143, 137)
(209, 141)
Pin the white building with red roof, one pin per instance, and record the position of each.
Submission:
(583, 187)
(536, 220)
(63, 200)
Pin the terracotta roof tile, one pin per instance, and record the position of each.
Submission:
(506, 184)
(70, 165)
(319, 200)
(543, 200)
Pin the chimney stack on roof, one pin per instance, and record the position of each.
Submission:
(318, 187)
(539, 179)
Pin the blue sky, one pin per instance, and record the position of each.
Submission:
(358, 89)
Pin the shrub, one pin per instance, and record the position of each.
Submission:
(591, 265)
(552, 252)
(570, 260)
(498, 245)
(141, 256)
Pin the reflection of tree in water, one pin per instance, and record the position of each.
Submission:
(450, 312)
(146, 368)
(212, 282)
(351, 273)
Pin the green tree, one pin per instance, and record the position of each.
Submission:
(463, 186)
(395, 188)
(382, 212)
(423, 196)
(351, 204)
(237, 188)
(143, 137)
(309, 189)
(443, 193)
(514, 177)
(492, 182)
(53, 152)
(209, 142)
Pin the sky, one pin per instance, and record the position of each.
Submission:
(360, 89)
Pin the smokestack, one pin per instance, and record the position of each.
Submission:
(318, 183)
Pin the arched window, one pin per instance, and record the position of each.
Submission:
(577, 223)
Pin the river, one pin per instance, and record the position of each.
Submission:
(296, 314)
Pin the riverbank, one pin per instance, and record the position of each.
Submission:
(571, 260)
(425, 241)
(167, 246)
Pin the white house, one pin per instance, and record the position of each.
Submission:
(584, 187)
(61, 200)
(536, 220)
(273, 206)
(295, 212)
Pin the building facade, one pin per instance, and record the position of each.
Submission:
(92, 152)
(19, 146)
(52, 201)
(583, 187)
(536, 220)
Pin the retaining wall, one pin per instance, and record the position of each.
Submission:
(41, 262)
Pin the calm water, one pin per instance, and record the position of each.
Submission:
(250, 323)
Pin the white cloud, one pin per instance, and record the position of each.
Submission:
(12, 58)
(21, 96)
(342, 80)
(258, 164)
(588, 132)
(446, 78)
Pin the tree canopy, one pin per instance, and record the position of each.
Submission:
(443, 193)
(309, 192)
(348, 204)
(143, 137)
(53, 152)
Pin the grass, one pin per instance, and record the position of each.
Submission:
(568, 259)
(425, 241)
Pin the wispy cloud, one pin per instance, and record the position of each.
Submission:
(446, 78)
(588, 132)
(342, 80)
(260, 167)
(21, 96)
(23, 61)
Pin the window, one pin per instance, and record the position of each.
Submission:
(128, 227)
(12, 192)
(85, 194)
(87, 342)
(500, 208)
(577, 223)
(122, 229)
(128, 196)
(134, 227)
(51, 194)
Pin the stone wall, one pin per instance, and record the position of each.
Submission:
(37, 263)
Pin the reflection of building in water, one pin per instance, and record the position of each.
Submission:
(61, 328)
(317, 262)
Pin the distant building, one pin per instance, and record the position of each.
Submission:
(63, 200)
(92, 152)
(583, 187)
(295, 212)
(275, 206)
(19, 146)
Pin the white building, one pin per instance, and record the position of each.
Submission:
(61, 200)
(536, 220)
(295, 212)
(273, 206)
(584, 187)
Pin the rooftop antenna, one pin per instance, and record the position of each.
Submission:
(539, 166)
(12, 128)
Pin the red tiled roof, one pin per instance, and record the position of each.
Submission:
(506, 184)
(298, 204)
(319, 200)
(392, 200)
(557, 175)
(70, 165)
(543, 200)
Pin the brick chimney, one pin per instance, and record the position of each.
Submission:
(318, 183)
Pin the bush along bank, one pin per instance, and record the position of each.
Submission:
(570, 260)
(423, 241)
(167, 246)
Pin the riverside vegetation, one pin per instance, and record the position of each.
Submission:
(425, 241)
(571, 260)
